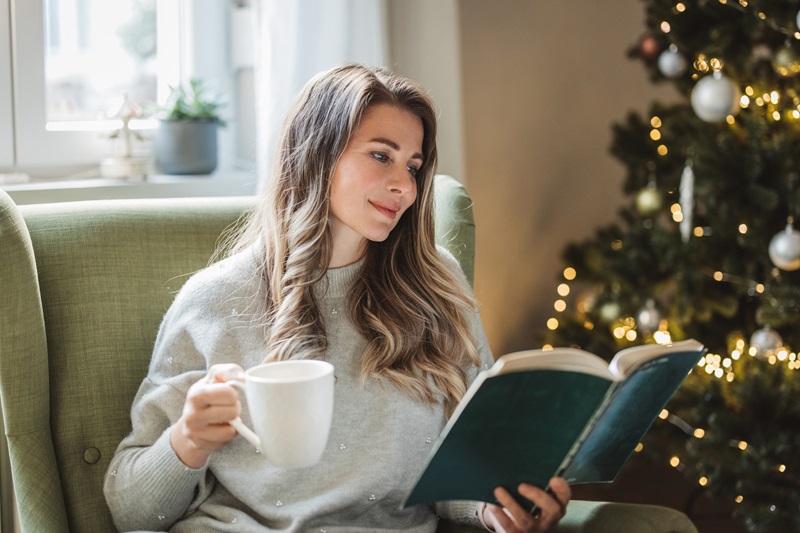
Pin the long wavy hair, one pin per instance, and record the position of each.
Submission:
(407, 303)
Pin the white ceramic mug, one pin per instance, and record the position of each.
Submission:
(291, 406)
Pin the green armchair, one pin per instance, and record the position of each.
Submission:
(84, 287)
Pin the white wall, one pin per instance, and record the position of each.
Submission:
(425, 45)
(542, 83)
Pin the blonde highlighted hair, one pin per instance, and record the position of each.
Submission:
(407, 303)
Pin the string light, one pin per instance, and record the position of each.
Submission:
(655, 122)
(742, 228)
(665, 27)
(552, 324)
(570, 273)
(563, 289)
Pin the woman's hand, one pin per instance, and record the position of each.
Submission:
(204, 424)
(513, 518)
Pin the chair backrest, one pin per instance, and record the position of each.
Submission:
(84, 287)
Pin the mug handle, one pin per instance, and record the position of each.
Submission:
(239, 426)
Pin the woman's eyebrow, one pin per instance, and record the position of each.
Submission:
(393, 145)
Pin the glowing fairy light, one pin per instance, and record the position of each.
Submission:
(560, 305)
(663, 414)
(742, 228)
(563, 289)
(703, 481)
(655, 122)
(674, 462)
(662, 150)
(552, 324)
(569, 273)
(662, 337)
(639, 447)
(739, 499)
(699, 433)
(680, 7)
(665, 27)
(742, 445)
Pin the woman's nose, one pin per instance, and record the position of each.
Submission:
(401, 181)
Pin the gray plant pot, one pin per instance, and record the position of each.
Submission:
(186, 147)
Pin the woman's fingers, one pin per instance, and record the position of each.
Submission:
(514, 517)
(224, 372)
(519, 517)
(562, 492)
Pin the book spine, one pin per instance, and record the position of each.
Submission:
(573, 451)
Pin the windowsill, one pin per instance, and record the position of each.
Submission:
(220, 183)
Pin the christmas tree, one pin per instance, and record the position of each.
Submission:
(705, 248)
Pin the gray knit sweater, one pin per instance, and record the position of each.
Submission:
(379, 441)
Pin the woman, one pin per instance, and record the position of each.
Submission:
(339, 263)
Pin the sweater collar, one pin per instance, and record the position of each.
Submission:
(337, 281)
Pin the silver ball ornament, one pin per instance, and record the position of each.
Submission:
(648, 201)
(672, 63)
(784, 249)
(798, 20)
(609, 312)
(766, 341)
(649, 317)
(715, 97)
(786, 62)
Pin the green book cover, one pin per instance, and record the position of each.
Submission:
(537, 414)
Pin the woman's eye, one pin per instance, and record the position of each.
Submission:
(383, 158)
(413, 171)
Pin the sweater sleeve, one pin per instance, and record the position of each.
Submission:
(147, 487)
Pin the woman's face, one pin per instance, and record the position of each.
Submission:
(374, 181)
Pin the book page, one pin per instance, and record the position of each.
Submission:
(567, 359)
(628, 359)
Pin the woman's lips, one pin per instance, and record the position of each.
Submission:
(390, 210)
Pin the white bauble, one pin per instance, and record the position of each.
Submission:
(609, 312)
(648, 201)
(784, 249)
(672, 63)
(649, 317)
(715, 97)
(798, 20)
(766, 341)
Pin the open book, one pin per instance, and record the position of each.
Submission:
(563, 412)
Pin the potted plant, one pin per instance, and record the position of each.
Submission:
(186, 140)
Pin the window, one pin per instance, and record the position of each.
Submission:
(69, 64)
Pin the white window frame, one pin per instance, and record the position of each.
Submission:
(6, 96)
(42, 153)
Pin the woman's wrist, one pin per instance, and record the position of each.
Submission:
(188, 454)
